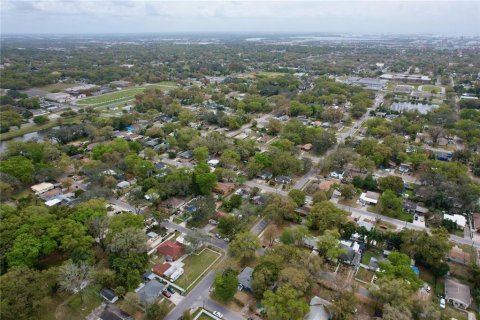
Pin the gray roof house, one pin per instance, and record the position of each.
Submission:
(150, 292)
(457, 294)
(245, 278)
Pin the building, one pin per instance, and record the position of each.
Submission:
(408, 106)
(245, 279)
(108, 295)
(407, 78)
(58, 97)
(123, 184)
(351, 252)
(161, 269)
(369, 197)
(224, 188)
(42, 187)
(318, 310)
(370, 83)
(457, 294)
(149, 292)
(283, 179)
(172, 250)
(457, 255)
(457, 218)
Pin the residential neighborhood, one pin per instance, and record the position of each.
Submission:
(283, 177)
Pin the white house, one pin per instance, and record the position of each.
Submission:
(369, 197)
(42, 187)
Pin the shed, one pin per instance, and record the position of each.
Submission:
(108, 295)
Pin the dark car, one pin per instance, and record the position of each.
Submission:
(166, 293)
(171, 290)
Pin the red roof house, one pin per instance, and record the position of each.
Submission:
(160, 269)
(171, 249)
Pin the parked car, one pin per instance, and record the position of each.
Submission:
(166, 293)
(226, 239)
(442, 303)
(218, 314)
(218, 236)
(171, 290)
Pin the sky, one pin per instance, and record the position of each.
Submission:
(159, 16)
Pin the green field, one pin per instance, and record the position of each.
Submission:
(57, 87)
(122, 95)
(270, 74)
(429, 88)
(195, 265)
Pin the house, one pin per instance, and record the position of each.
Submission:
(404, 168)
(123, 184)
(457, 218)
(306, 147)
(369, 197)
(457, 254)
(173, 203)
(108, 295)
(457, 294)
(367, 224)
(161, 269)
(266, 175)
(318, 310)
(338, 175)
(373, 264)
(50, 194)
(187, 155)
(476, 222)
(352, 252)
(283, 179)
(149, 292)
(213, 163)
(310, 242)
(409, 206)
(42, 187)
(224, 188)
(53, 202)
(172, 250)
(245, 279)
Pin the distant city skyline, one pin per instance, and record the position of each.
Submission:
(449, 18)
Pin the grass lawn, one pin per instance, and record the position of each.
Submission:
(270, 74)
(20, 132)
(456, 314)
(195, 265)
(368, 254)
(75, 308)
(364, 275)
(122, 95)
(203, 316)
(429, 88)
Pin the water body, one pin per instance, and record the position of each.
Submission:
(32, 136)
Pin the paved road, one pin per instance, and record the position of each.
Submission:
(123, 205)
(259, 227)
(403, 224)
(233, 133)
(216, 242)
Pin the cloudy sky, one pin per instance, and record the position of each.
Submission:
(134, 16)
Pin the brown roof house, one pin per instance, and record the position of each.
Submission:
(457, 294)
(160, 269)
(458, 255)
(172, 250)
(224, 188)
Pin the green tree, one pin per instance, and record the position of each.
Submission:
(18, 167)
(398, 267)
(297, 277)
(392, 183)
(226, 285)
(392, 291)
(24, 293)
(345, 307)
(40, 120)
(324, 215)
(285, 304)
(348, 191)
(200, 153)
(298, 196)
(157, 311)
(243, 247)
(280, 209)
(389, 204)
(329, 245)
(131, 302)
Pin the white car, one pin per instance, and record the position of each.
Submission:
(218, 314)
(442, 303)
